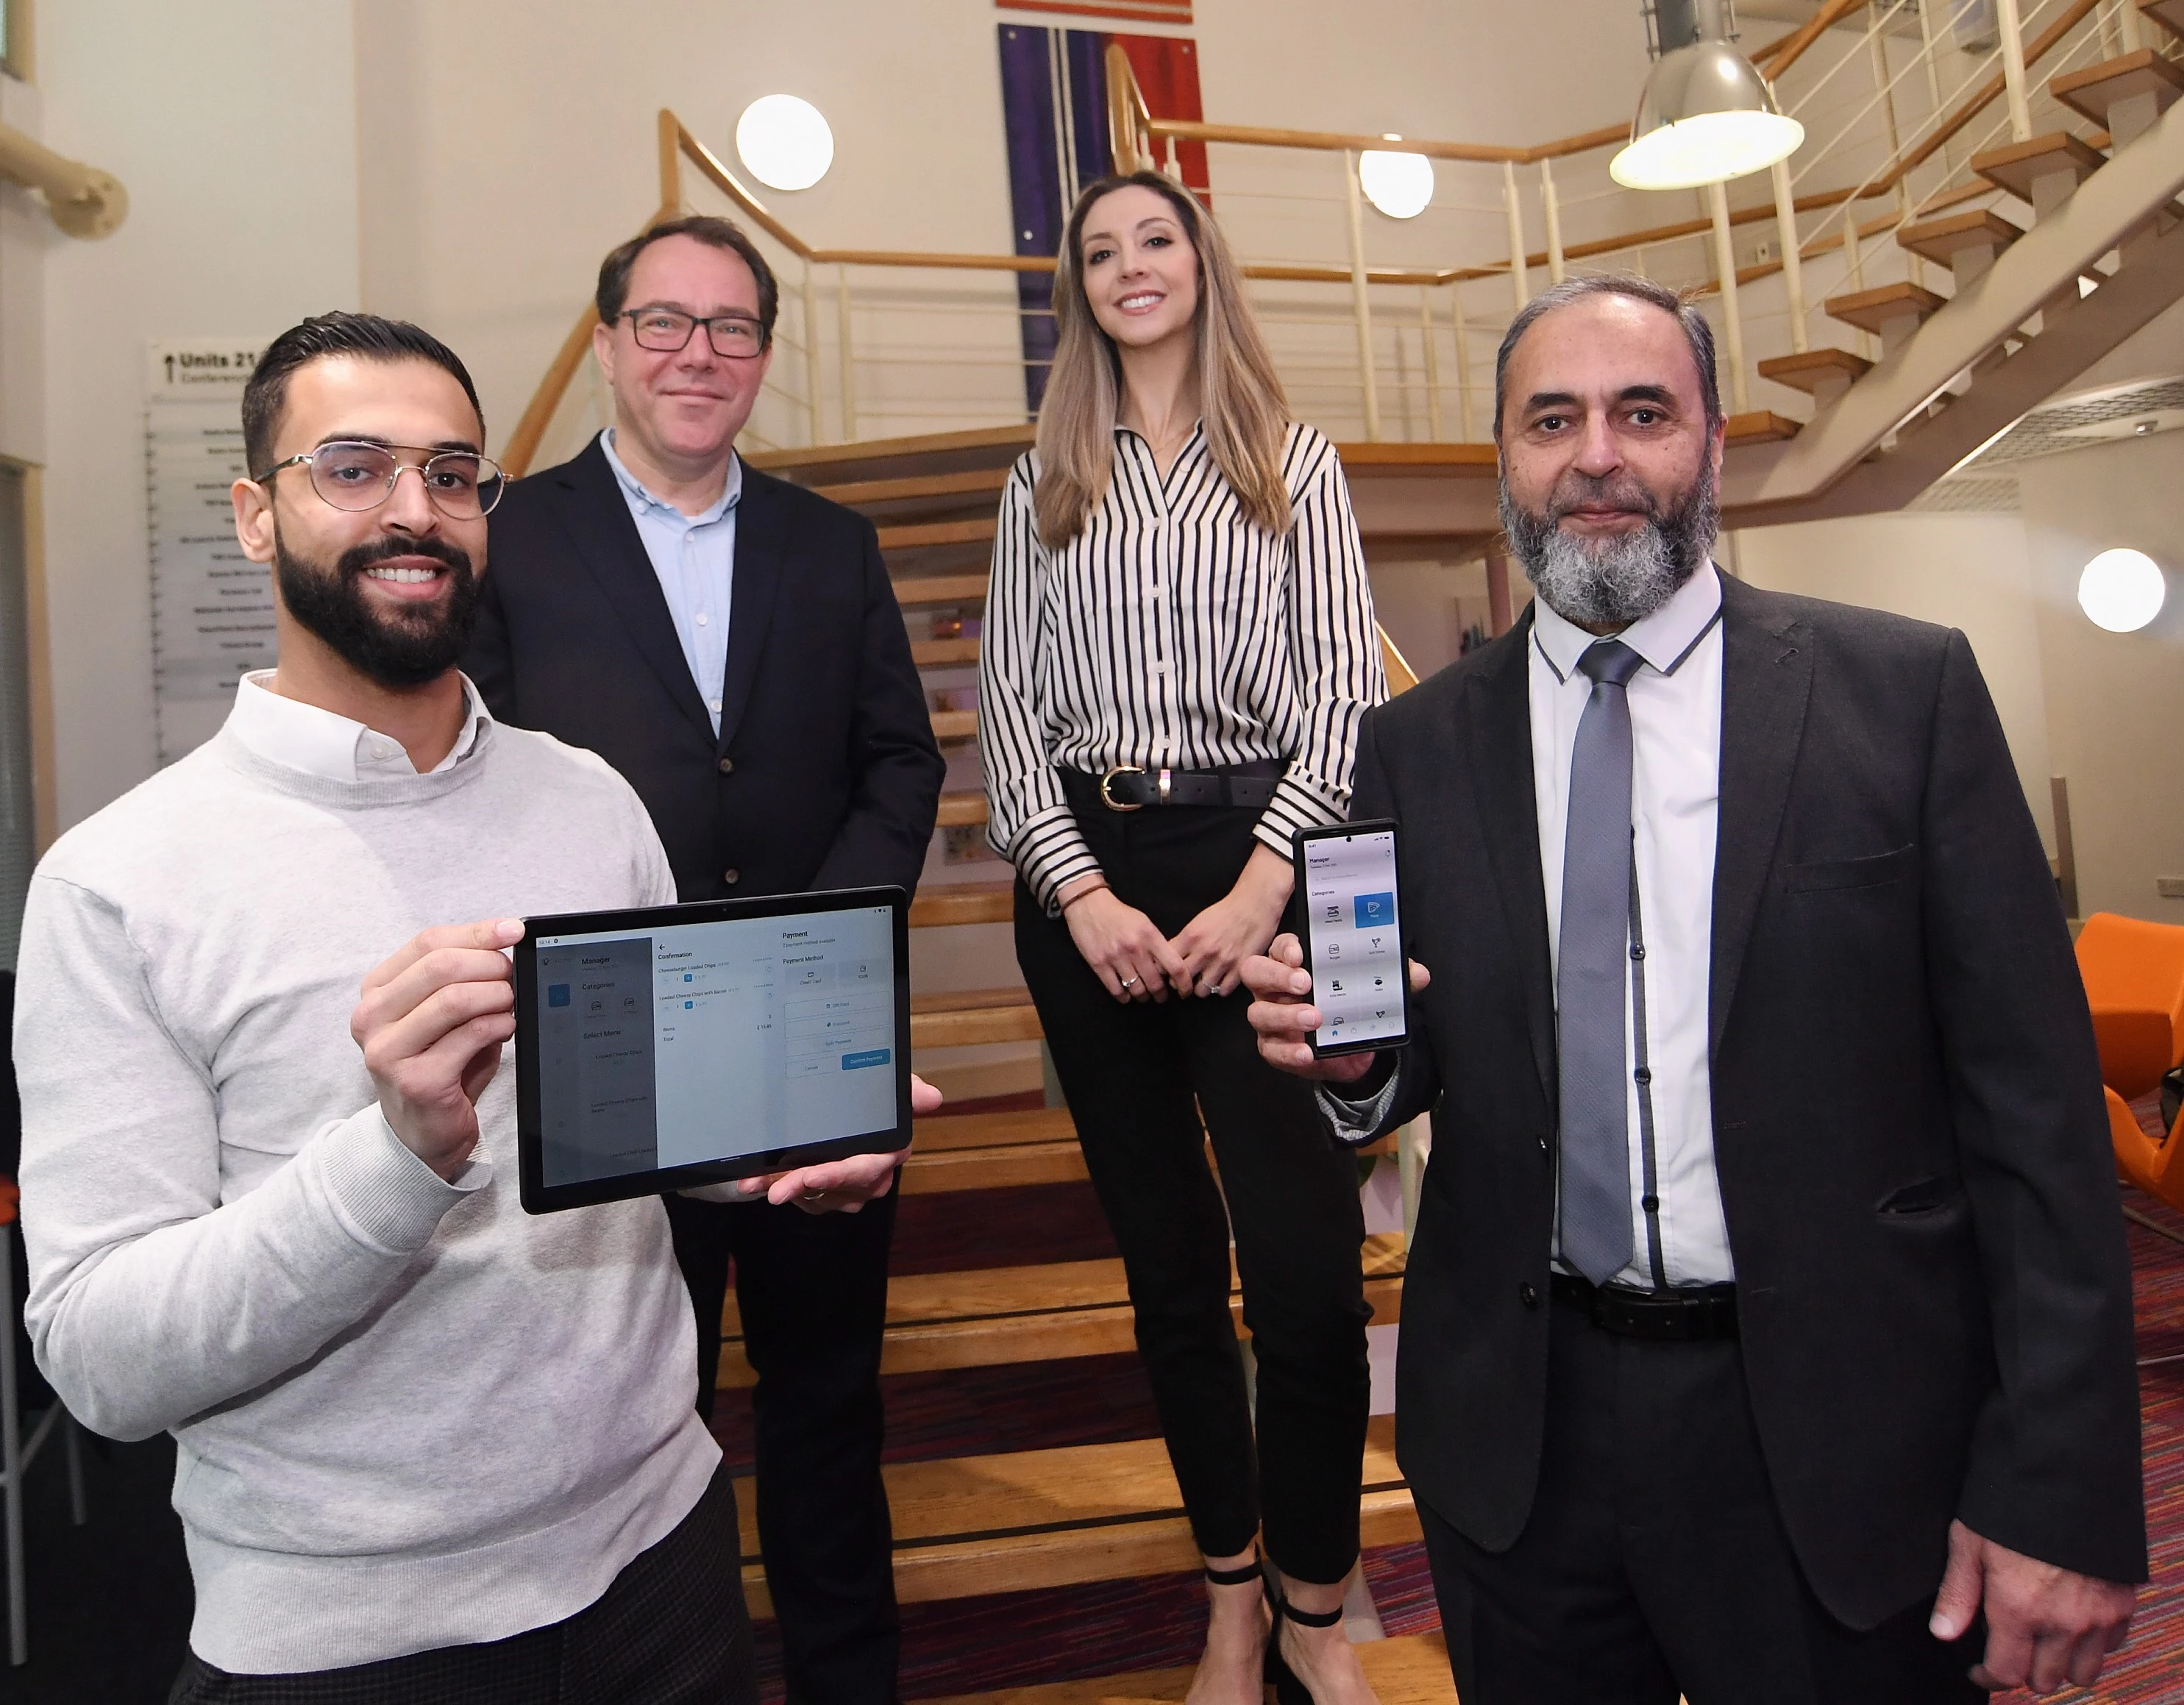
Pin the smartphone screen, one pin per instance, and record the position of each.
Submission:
(1353, 943)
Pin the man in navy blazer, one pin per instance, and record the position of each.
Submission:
(730, 643)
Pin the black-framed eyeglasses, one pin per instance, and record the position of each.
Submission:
(665, 330)
(354, 475)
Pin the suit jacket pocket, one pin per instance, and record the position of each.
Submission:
(1851, 873)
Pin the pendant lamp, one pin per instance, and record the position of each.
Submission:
(1706, 115)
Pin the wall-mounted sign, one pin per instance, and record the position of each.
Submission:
(212, 608)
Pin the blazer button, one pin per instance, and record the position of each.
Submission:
(728, 766)
(1527, 1296)
(731, 876)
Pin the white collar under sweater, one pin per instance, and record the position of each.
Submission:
(324, 744)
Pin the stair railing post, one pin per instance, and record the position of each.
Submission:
(1464, 416)
(1876, 45)
(1793, 261)
(1554, 213)
(814, 373)
(1432, 348)
(2013, 69)
(1732, 321)
(2128, 26)
(1519, 288)
(845, 354)
(1361, 303)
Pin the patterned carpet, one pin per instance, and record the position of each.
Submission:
(1016, 1639)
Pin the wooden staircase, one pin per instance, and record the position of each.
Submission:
(990, 1523)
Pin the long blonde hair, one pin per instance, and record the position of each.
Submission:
(1246, 414)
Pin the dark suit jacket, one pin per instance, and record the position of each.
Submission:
(824, 774)
(1934, 1292)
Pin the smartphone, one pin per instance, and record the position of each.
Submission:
(1353, 936)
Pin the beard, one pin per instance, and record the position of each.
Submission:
(1617, 580)
(397, 648)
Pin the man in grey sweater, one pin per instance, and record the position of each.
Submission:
(425, 1441)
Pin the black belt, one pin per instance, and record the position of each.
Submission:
(1701, 1314)
(1133, 787)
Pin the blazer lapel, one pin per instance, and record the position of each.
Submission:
(761, 543)
(1767, 679)
(597, 521)
(1500, 737)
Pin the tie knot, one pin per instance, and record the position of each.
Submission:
(1609, 662)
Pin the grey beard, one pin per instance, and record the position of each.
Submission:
(1616, 581)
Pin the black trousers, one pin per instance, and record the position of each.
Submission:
(812, 1290)
(1138, 1077)
(1654, 1564)
(670, 1630)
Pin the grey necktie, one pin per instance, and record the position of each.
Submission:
(1592, 963)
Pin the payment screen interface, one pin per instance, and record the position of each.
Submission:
(1357, 949)
(707, 1041)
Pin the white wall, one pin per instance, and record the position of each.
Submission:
(2115, 701)
(233, 125)
(1968, 572)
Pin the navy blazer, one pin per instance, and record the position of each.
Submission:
(825, 773)
(1934, 1294)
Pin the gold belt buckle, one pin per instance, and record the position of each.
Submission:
(1107, 798)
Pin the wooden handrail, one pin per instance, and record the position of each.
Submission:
(1786, 53)
(1335, 141)
(523, 443)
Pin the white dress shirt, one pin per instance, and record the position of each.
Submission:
(694, 555)
(321, 743)
(1675, 794)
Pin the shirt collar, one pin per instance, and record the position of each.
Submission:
(641, 497)
(333, 747)
(1662, 640)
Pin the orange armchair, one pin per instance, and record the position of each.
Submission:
(2134, 974)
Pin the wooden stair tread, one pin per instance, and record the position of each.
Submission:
(918, 535)
(2168, 13)
(941, 654)
(969, 483)
(967, 1017)
(913, 589)
(1758, 426)
(1805, 372)
(962, 810)
(2096, 88)
(1404, 1670)
(2014, 167)
(903, 458)
(1029, 1495)
(988, 1169)
(955, 725)
(1870, 309)
(964, 902)
(996, 1130)
(1939, 239)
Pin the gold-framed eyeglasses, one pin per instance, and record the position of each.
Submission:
(665, 330)
(356, 474)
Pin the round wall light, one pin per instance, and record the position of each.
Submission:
(2121, 590)
(1399, 185)
(785, 142)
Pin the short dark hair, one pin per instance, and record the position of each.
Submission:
(613, 292)
(1697, 332)
(265, 396)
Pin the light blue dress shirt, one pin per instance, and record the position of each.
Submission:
(694, 555)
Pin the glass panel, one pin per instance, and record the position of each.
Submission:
(18, 830)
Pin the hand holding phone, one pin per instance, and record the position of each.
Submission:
(1352, 937)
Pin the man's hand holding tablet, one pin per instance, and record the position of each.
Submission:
(845, 1185)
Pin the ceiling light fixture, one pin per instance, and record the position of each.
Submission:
(785, 142)
(2121, 590)
(1706, 115)
(1399, 185)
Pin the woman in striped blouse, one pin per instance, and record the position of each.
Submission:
(1178, 647)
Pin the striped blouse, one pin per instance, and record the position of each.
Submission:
(1173, 632)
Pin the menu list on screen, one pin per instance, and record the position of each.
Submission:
(701, 1042)
(1356, 945)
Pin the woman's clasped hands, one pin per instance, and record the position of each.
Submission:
(1134, 961)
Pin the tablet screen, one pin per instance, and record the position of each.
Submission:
(696, 1043)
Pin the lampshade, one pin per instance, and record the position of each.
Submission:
(2121, 590)
(1706, 116)
(786, 141)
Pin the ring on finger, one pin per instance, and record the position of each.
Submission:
(1130, 982)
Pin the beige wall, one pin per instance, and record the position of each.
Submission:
(233, 127)
(1961, 571)
(2115, 701)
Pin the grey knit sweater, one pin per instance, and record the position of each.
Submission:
(409, 1414)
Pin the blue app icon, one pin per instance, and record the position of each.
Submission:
(1373, 911)
(686, 975)
(687, 1005)
(557, 994)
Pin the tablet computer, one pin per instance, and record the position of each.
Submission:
(675, 1046)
